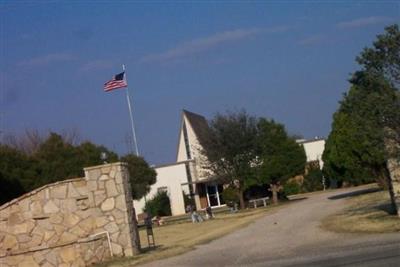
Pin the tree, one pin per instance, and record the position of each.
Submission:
(28, 143)
(382, 62)
(354, 151)
(142, 176)
(15, 173)
(230, 196)
(32, 160)
(56, 160)
(281, 157)
(383, 59)
(31, 139)
(9, 189)
(365, 135)
(313, 180)
(230, 149)
(89, 154)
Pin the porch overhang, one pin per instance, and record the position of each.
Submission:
(202, 181)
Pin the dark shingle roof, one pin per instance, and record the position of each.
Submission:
(199, 125)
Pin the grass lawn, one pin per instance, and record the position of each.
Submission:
(368, 213)
(175, 239)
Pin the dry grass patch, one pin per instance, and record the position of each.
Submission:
(175, 239)
(368, 213)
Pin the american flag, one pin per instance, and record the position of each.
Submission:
(117, 81)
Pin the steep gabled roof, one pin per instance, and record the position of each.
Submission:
(199, 125)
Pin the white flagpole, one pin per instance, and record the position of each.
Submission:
(128, 99)
(131, 116)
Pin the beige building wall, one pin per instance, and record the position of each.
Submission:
(314, 150)
(198, 172)
(169, 178)
(181, 154)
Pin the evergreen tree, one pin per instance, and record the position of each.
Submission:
(89, 154)
(356, 150)
(54, 159)
(280, 156)
(15, 173)
(142, 176)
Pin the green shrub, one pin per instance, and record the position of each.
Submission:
(188, 200)
(291, 188)
(159, 205)
(313, 181)
(230, 196)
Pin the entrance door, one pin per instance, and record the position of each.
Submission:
(202, 191)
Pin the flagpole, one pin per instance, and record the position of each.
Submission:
(128, 99)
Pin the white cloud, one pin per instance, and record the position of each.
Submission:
(312, 40)
(46, 60)
(362, 22)
(205, 43)
(96, 65)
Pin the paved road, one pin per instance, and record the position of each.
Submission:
(292, 237)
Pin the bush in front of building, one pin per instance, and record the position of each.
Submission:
(291, 188)
(230, 196)
(313, 181)
(158, 205)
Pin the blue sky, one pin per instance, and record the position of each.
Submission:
(284, 60)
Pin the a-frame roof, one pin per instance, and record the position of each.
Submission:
(199, 125)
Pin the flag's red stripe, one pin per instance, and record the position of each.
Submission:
(111, 85)
(114, 82)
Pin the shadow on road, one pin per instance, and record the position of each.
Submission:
(354, 193)
(296, 198)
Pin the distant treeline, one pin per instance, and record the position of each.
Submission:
(34, 160)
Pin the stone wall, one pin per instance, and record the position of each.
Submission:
(74, 222)
(81, 253)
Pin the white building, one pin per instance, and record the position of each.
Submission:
(314, 149)
(186, 176)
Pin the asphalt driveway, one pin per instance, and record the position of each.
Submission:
(292, 237)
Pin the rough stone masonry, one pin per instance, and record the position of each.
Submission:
(75, 222)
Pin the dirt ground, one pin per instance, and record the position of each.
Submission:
(181, 237)
(368, 213)
(292, 236)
